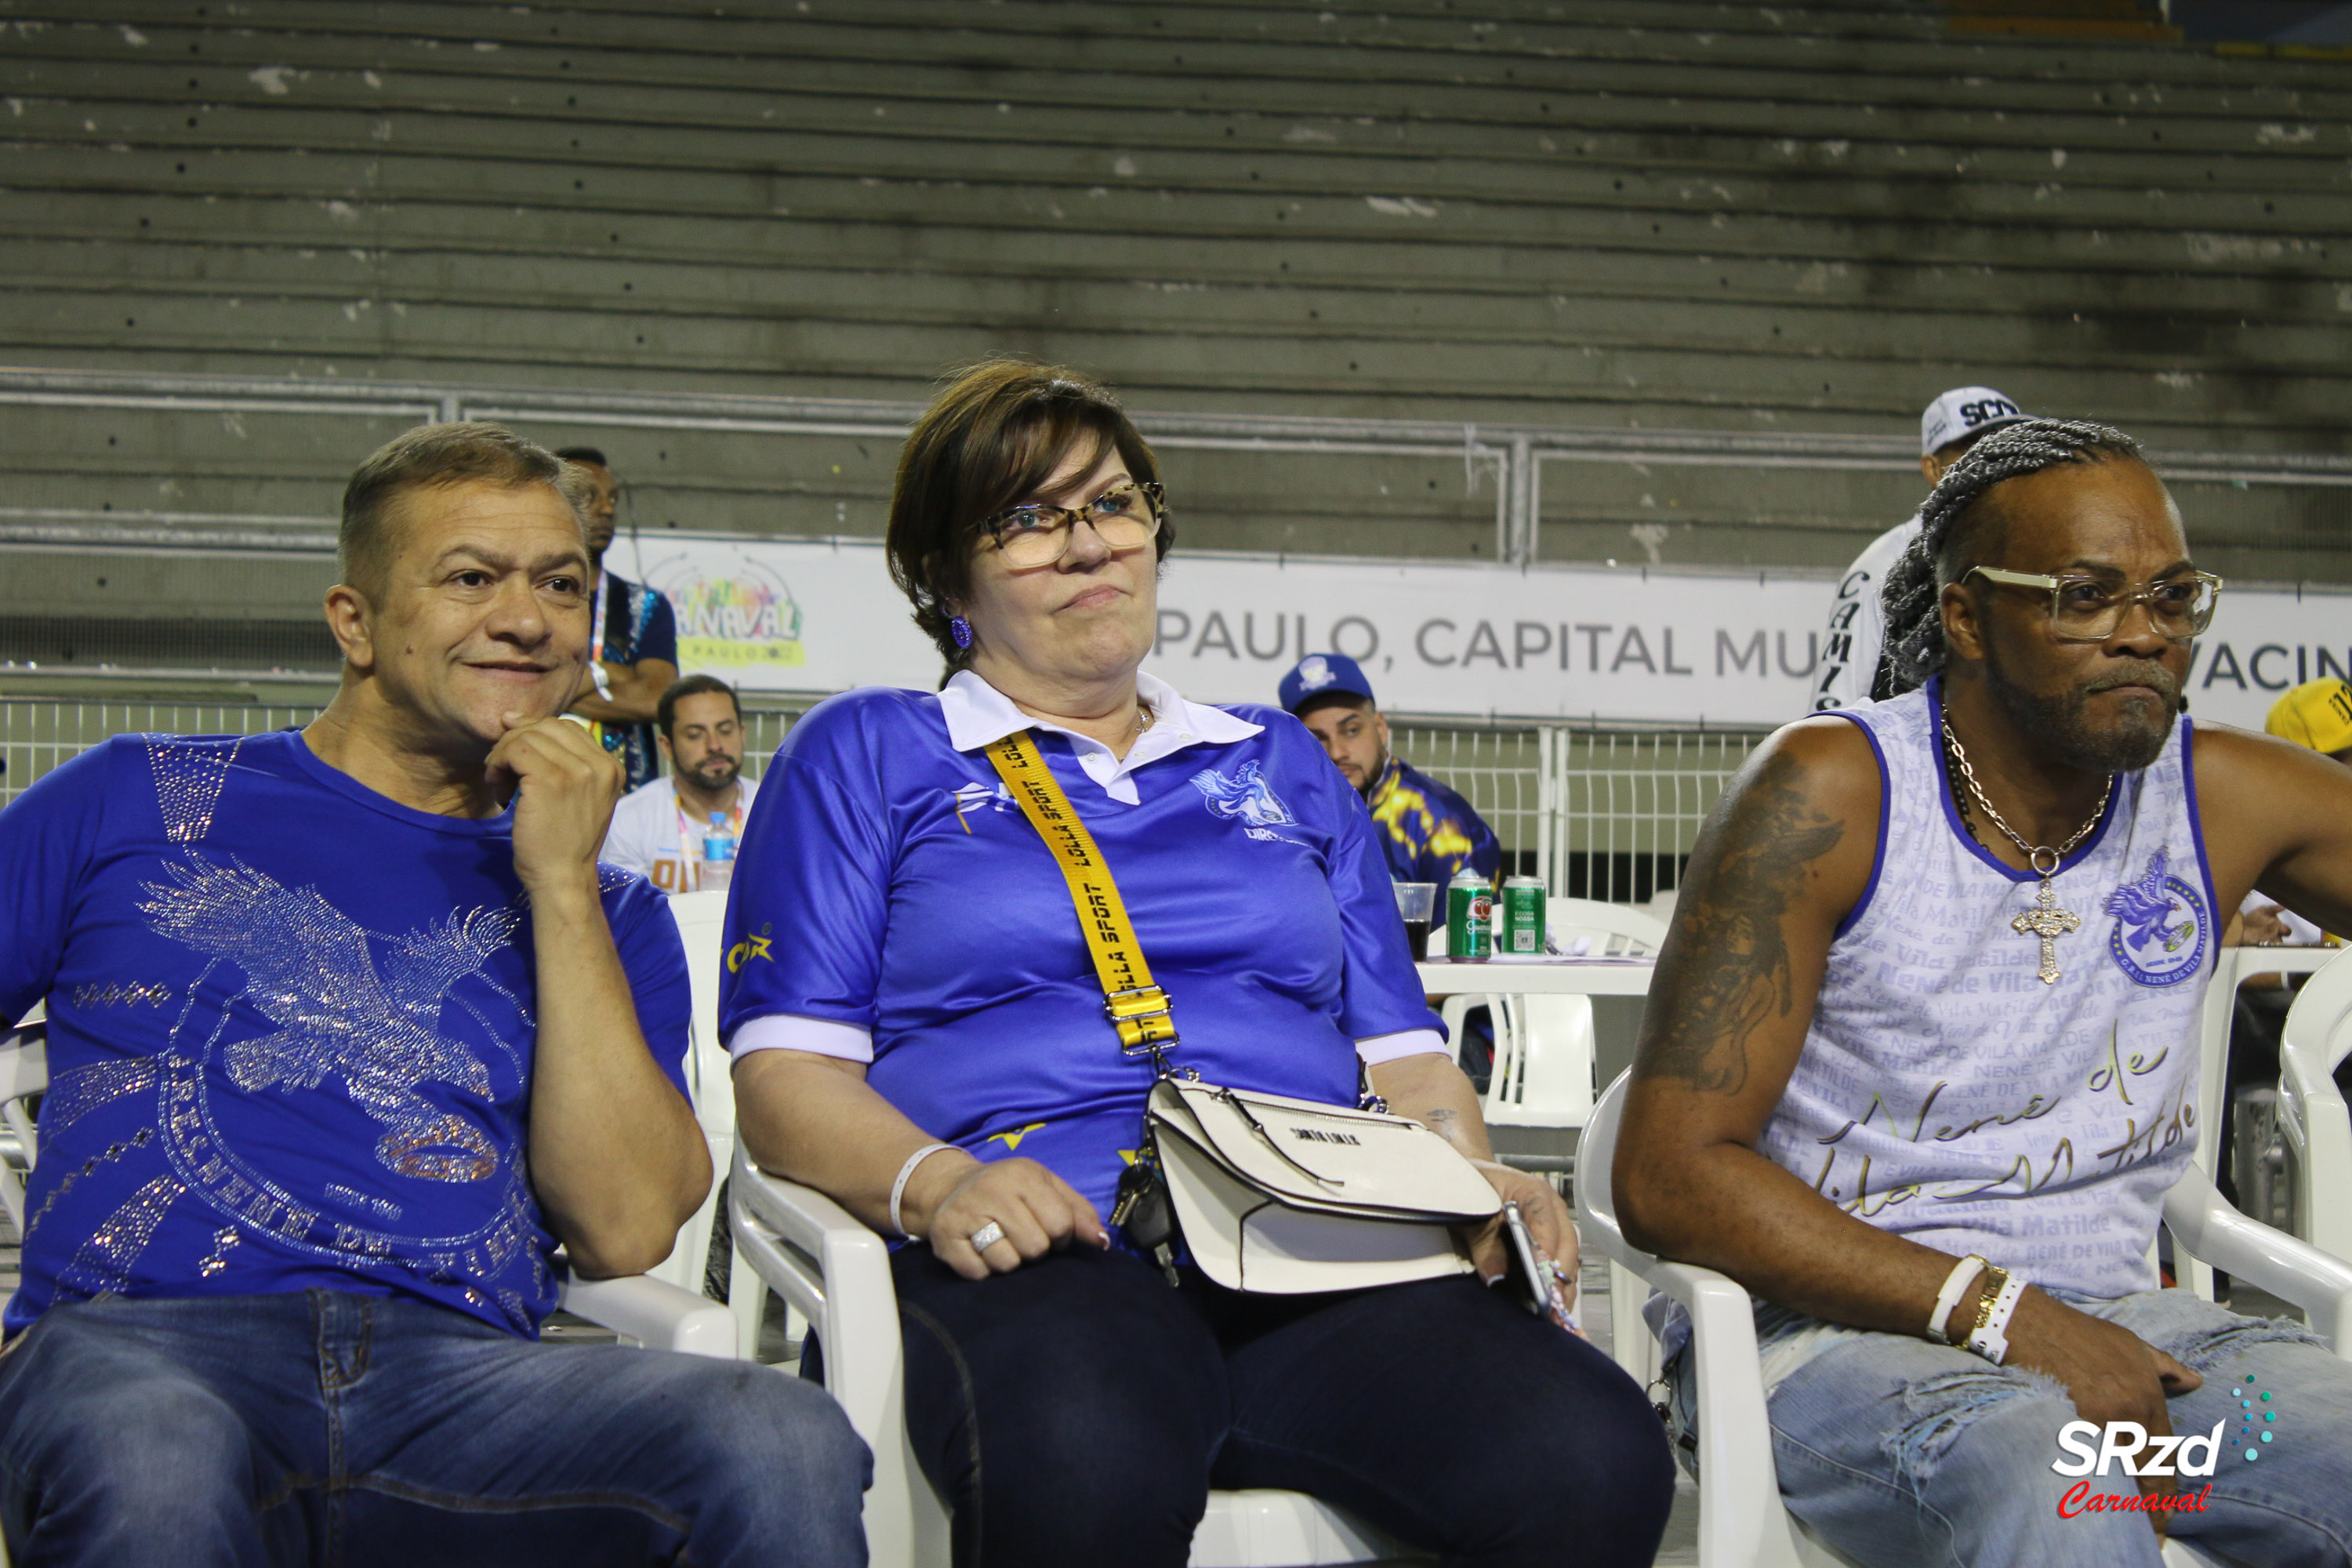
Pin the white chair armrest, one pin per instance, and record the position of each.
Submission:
(1740, 1518)
(828, 1264)
(1741, 1521)
(2272, 1260)
(654, 1313)
(2318, 1129)
(823, 1259)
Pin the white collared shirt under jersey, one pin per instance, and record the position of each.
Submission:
(978, 715)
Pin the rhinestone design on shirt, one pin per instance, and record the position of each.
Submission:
(188, 781)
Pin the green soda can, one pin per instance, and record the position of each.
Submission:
(1519, 919)
(1469, 917)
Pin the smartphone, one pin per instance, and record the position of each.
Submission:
(1530, 1279)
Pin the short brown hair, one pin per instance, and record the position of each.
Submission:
(431, 457)
(998, 431)
(684, 686)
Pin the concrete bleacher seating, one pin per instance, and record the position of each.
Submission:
(1669, 213)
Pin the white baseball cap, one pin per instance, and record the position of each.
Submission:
(1963, 412)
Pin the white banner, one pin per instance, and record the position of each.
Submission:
(1436, 637)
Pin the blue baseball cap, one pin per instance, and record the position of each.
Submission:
(1321, 675)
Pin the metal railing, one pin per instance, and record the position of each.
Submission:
(1512, 456)
(1596, 813)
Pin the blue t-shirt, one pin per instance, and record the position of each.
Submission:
(290, 1031)
(888, 881)
(638, 625)
(1428, 831)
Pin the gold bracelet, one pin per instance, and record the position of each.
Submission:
(1995, 1278)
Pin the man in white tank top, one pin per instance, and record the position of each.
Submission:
(1920, 1061)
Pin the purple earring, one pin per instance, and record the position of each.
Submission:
(959, 629)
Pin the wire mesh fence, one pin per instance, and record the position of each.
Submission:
(1596, 813)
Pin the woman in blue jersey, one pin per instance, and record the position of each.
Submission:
(918, 1032)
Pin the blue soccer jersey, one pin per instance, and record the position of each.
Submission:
(892, 903)
(1427, 831)
(290, 1031)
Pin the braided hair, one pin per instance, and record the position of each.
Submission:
(1914, 583)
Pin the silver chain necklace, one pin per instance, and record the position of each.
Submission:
(2045, 921)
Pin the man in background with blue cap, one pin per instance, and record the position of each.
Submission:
(1427, 831)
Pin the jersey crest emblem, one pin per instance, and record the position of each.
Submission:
(2160, 931)
(1244, 796)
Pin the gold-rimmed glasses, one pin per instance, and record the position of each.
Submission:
(1124, 517)
(2091, 609)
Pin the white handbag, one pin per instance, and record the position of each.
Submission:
(1282, 1196)
(1271, 1194)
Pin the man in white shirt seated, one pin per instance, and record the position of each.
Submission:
(1851, 651)
(657, 827)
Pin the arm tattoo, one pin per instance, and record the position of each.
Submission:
(1731, 968)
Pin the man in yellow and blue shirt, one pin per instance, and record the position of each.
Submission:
(1427, 832)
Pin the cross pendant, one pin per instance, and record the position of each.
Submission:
(2048, 921)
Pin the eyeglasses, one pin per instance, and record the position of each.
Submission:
(2089, 609)
(1123, 517)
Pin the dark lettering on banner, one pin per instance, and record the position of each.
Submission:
(1281, 637)
(1164, 637)
(2224, 661)
(1214, 633)
(2254, 667)
(1668, 656)
(1372, 638)
(1812, 654)
(1522, 647)
(1632, 649)
(1726, 647)
(1592, 636)
(2327, 665)
(1483, 645)
(1421, 643)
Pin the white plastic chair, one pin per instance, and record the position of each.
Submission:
(2312, 1113)
(825, 1263)
(1742, 1523)
(1542, 1074)
(2232, 970)
(702, 919)
(1543, 1069)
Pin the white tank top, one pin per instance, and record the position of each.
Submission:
(1944, 1093)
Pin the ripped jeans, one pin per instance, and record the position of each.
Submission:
(1902, 1453)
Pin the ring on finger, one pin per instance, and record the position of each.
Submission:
(987, 1236)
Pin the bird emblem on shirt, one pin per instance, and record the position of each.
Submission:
(311, 969)
(2145, 908)
(1245, 795)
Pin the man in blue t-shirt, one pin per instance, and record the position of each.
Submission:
(636, 631)
(347, 1033)
(1428, 833)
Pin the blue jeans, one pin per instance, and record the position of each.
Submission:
(350, 1430)
(1898, 1452)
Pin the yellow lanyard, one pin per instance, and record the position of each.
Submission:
(1137, 1008)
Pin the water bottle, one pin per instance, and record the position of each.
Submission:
(718, 854)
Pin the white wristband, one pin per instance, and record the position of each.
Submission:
(1956, 1285)
(1990, 1339)
(898, 1187)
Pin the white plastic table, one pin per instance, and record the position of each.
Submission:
(1547, 977)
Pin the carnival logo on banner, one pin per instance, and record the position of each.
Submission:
(732, 611)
